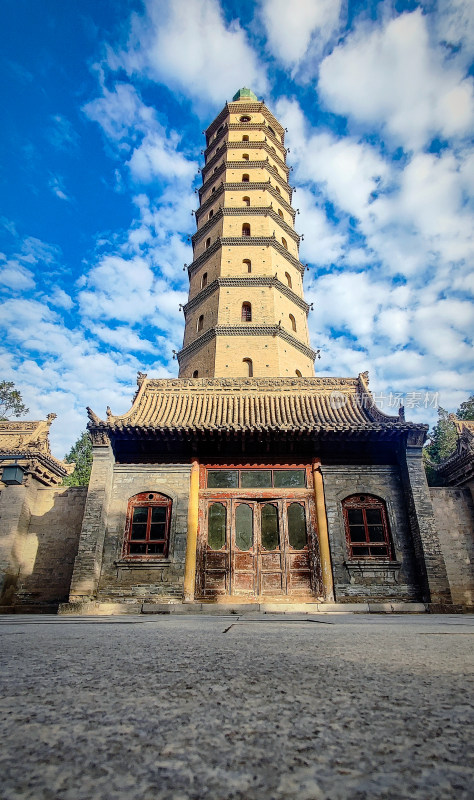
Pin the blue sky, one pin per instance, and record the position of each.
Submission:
(103, 108)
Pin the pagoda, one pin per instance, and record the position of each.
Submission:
(247, 479)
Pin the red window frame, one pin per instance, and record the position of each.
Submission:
(376, 549)
(150, 543)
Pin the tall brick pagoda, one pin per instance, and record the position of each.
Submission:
(247, 479)
(246, 315)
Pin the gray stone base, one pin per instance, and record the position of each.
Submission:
(225, 609)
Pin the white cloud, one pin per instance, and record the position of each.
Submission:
(393, 78)
(323, 243)
(56, 184)
(188, 45)
(291, 26)
(15, 276)
(121, 112)
(158, 156)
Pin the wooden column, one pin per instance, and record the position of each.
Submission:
(323, 535)
(191, 544)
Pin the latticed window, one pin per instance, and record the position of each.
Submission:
(367, 531)
(245, 229)
(148, 525)
(246, 312)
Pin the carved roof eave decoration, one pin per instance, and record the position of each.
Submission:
(247, 241)
(249, 281)
(244, 126)
(252, 211)
(246, 329)
(242, 165)
(27, 443)
(252, 145)
(192, 409)
(261, 187)
(245, 108)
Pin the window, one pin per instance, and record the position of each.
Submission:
(246, 312)
(284, 243)
(246, 200)
(298, 373)
(213, 189)
(148, 524)
(267, 478)
(249, 364)
(247, 263)
(271, 130)
(288, 278)
(280, 213)
(196, 374)
(245, 229)
(204, 280)
(366, 524)
(245, 178)
(200, 323)
(245, 156)
(244, 119)
(278, 189)
(208, 242)
(245, 138)
(293, 322)
(211, 214)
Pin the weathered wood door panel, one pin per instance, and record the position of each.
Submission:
(251, 547)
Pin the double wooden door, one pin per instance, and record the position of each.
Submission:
(257, 547)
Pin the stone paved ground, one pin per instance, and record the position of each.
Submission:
(248, 708)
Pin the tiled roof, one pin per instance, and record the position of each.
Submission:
(252, 404)
(29, 440)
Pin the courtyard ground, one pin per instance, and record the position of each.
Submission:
(250, 707)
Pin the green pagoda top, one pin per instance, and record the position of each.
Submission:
(245, 94)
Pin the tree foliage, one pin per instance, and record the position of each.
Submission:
(443, 437)
(81, 454)
(11, 401)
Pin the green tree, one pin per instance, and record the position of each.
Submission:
(11, 401)
(81, 454)
(443, 437)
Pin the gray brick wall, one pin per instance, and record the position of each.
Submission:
(360, 582)
(164, 577)
(454, 516)
(41, 528)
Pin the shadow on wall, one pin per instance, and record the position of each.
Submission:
(42, 559)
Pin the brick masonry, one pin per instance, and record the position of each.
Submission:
(357, 581)
(164, 578)
(39, 535)
(454, 514)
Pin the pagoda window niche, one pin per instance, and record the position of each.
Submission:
(245, 138)
(245, 178)
(196, 373)
(245, 229)
(246, 314)
(200, 323)
(204, 280)
(245, 156)
(298, 373)
(246, 200)
(148, 526)
(247, 264)
(366, 527)
(208, 242)
(284, 243)
(280, 213)
(293, 322)
(288, 279)
(249, 366)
